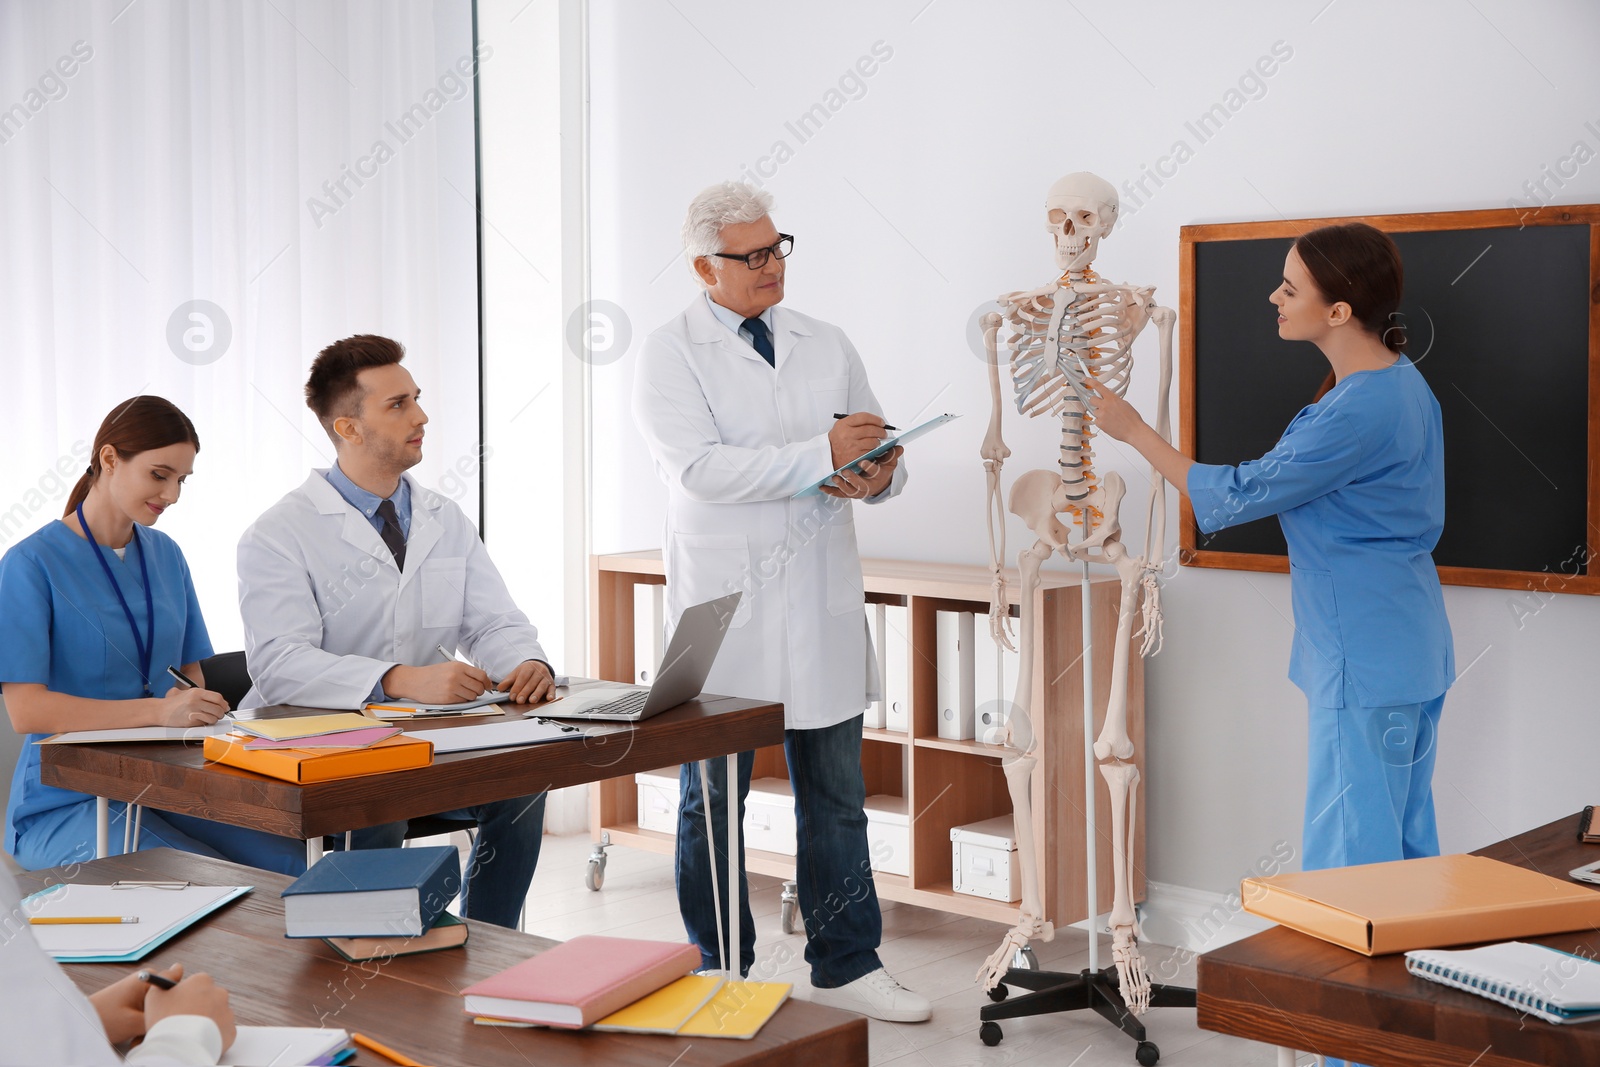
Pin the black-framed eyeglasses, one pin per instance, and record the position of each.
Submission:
(758, 259)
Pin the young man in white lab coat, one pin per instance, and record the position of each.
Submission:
(351, 584)
(743, 404)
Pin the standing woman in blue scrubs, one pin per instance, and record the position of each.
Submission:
(93, 609)
(1357, 483)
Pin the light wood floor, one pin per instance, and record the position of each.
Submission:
(929, 951)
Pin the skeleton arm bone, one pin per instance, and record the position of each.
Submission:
(994, 453)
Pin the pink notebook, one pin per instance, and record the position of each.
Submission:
(342, 739)
(581, 981)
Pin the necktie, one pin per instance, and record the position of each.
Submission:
(391, 533)
(761, 340)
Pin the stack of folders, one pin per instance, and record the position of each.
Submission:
(318, 748)
(1556, 986)
(375, 892)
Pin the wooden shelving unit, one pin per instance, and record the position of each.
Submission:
(945, 783)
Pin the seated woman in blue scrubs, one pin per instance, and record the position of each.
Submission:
(93, 609)
(1357, 483)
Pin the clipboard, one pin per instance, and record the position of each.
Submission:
(882, 448)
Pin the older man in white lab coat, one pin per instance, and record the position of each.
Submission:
(352, 584)
(743, 404)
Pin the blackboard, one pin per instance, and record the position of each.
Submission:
(1503, 321)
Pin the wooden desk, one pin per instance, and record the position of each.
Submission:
(170, 776)
(1288, 989)
(412, 1003)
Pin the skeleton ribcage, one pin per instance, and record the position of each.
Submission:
(1053, 349)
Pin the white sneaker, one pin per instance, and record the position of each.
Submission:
(876, 995)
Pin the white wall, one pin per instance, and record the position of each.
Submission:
(919, 198)
(186, 158)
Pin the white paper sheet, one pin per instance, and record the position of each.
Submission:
(161, 912)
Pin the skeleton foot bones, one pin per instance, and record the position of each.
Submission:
(1063, 335)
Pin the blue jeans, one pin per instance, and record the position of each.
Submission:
(838, 899)
(1369, 790)
(505, 852)
(65, 835)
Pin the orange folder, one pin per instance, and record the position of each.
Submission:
(307, 765)
(1379, 908)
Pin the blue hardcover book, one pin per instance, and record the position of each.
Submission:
(373, 892)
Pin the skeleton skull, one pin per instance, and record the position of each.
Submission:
(1081, 210)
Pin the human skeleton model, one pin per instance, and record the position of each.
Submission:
(1075, 328)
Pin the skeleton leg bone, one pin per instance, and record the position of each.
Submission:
(1114, 739)
(1122, 779)
(1020, 760)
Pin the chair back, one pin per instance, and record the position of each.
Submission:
(227, 674)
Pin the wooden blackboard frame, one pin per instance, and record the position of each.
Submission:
(1190, 237)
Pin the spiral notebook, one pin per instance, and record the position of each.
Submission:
(1556, 986)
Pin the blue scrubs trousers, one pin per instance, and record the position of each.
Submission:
(65, 835)
(1369, 792)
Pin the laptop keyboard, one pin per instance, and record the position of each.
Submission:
(623, 705)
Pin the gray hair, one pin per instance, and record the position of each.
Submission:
(716, 206)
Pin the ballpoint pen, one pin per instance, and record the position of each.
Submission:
(837, 416)
(160, 981)
(181, 678)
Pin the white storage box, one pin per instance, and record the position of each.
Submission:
(984, 859)
(769, 816)
(658, 799)
(888, 834)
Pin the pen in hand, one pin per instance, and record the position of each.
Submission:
(181, 678)
(837, 416)
(160, 981)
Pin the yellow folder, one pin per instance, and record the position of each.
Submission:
(739, 1010)
(305, 725)
(666, 1010)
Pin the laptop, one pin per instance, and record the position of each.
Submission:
(683, 671)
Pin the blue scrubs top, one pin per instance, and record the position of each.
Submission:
(1357, 483)
(61, 625)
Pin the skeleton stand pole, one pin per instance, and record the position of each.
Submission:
(1090, 850)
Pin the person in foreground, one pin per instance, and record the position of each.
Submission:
(352, 584)
(740, 402)
(93, 609)
(1357, 483)
(188, 1024)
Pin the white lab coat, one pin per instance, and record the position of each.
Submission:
(49, 1021)
(327, 612)
(733, 439)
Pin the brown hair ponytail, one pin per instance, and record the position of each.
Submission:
(1359, 265)
(134, 426)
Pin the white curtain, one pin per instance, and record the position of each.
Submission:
(304, 167)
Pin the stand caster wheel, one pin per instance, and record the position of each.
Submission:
(790, 905)
(1147, 1054)
(595, 876)
(999, 993)
(1024, 960)
(989, 1034)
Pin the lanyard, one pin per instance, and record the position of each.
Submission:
(145, 643)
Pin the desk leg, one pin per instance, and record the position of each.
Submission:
(704, 767)
(102, 828)
(1286, 1057)
(736, 942)
(313, 851)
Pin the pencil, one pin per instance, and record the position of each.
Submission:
(383, 1050)
(73, 920)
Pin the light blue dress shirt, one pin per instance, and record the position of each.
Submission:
(735, 321)
(62, 626)
(367, 503)
(1357, 483)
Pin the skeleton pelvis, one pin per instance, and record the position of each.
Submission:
(1038, 497)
